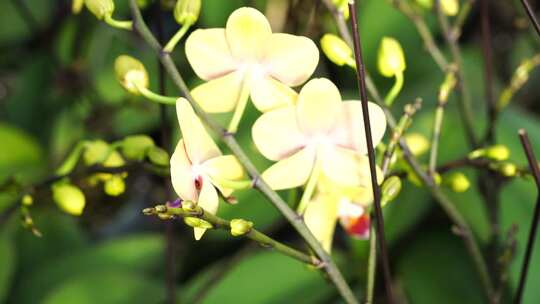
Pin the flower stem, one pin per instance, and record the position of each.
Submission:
(156, 97)
(372, 262)
(221, 223)
(326, 264)
(169, 47)
(240, 108)
(310, 188)
(398, 85)
(124, 25)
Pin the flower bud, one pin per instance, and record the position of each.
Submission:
(95, 152)
(498, 152)
(336, 50)
(158, 156)
(27, 200)
(68, 197)
(240, 227)
(507, 169)
(76, 6)
(131, 73)
(114, 160)
(417, 143)
(196, 222)
(390, 189)
(457, 181)
(427, 4)
(449, 7)
(391, 60)
(100, 8)
(189, 206)
(135, 147)
(187, 11)
(114, 186)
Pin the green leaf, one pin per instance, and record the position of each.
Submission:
(267, 277)
(7, 264)
(136, 253)
(107, 286)
(24, 153)
(435, 268)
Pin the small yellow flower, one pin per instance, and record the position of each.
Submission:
(198, 166)
(320, 131)
(246, 59)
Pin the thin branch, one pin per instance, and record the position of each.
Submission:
(530, 12)
(465, 98)
(464, 12)
(219, 223)
(361, 77)
(297, 222)
(491, 104)
(533, 163)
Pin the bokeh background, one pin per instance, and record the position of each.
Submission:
(57, 87)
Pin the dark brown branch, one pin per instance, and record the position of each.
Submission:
(532, 17)
(361, 78)
(533, 163)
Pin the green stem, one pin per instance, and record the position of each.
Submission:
(310, 188)
(327, 264)
(240, 107)
(372, 263)
(169, 47)
(124, 25)
(253, 234)
(439, 115)
(156, 97)
(398, 85)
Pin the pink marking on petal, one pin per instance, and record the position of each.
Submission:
(359, 227)
(198, 183)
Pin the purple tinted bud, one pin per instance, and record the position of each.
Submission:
(175, 204)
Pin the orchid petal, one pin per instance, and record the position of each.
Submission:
(181, 173)
(247, 31)
(349, 132)
(321, 217)
(226, 167)
(199, 145)
(318, 106)
(276, 134)
(345, 167)
(208, 201)
(291, 59)
(219, 95)
(268, 94)
(291, 172)
(208, 53)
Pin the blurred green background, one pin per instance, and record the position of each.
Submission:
(57, 87)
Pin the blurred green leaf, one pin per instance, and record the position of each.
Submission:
(24, 153)
(107, 286)
(267, 277)
(7, 264)
(136, 253)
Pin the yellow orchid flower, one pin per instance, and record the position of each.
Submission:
(348, 204)
(246, 59)
(198, 168)
(319, 134)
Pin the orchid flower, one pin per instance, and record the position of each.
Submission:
(246, 59)
(318, 134)
(198, 168)
(348, 205)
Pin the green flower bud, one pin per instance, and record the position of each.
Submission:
(143, 3)
(68, 197)
(391, 60)
(76, 6)
(417, 143)
(158, 156)
(100, 8)
(449, 7)
(115, 185)
(343, 7)
(131, 73)
(189, 206)
(95, 152)
(508, 169)
(240, 227)
(114, 160)
(196, 222)
(457, 181)
(27, 200)
(498, 152)
(135, 147)
(427, 4)
(390, 189)
(336, 50)
(187, 11)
